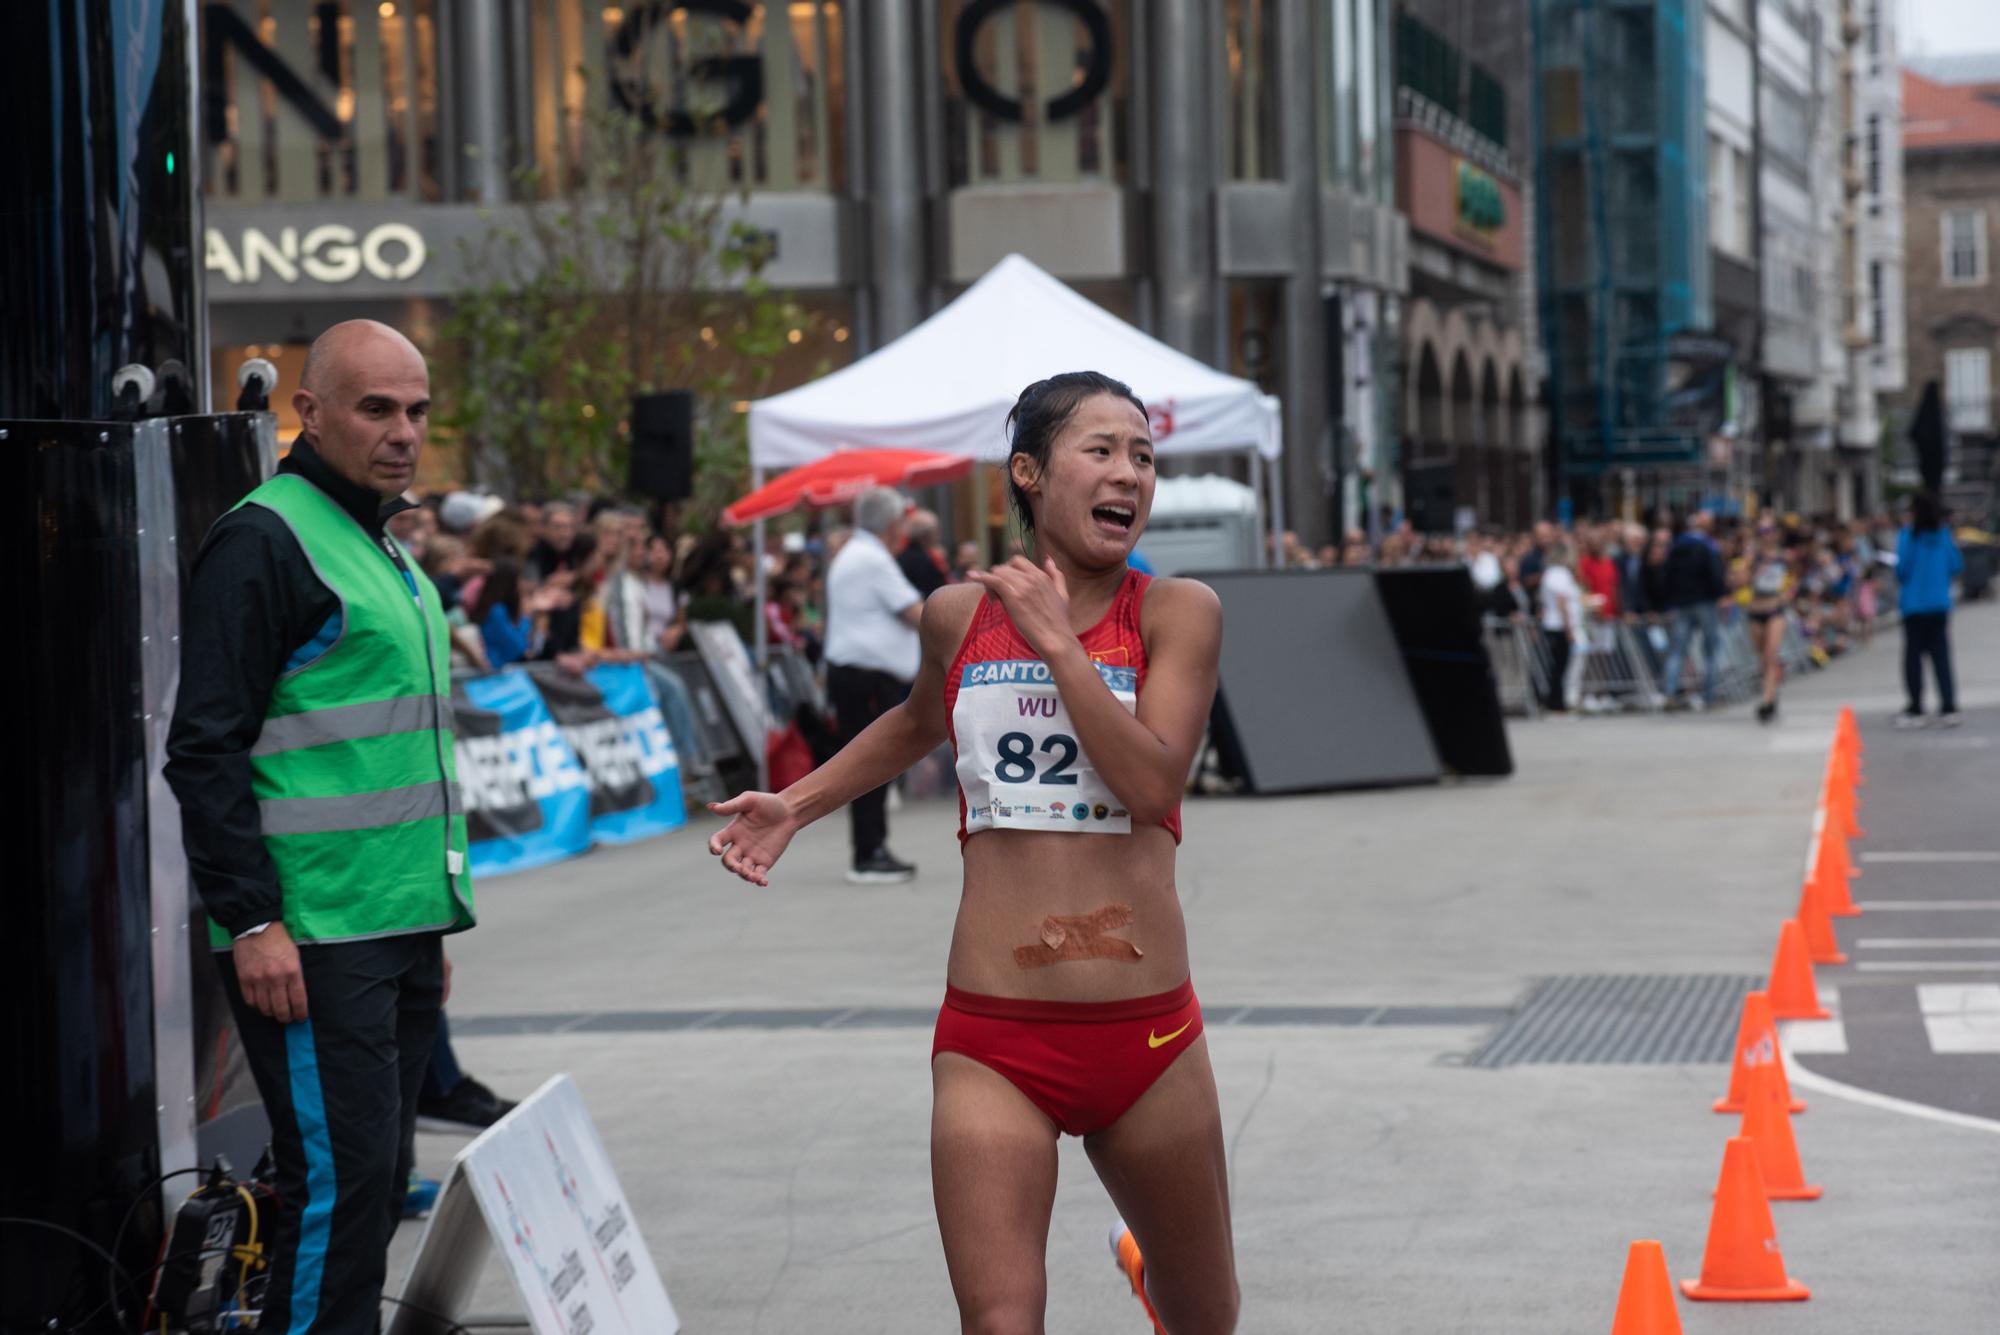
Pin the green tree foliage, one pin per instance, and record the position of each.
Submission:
(620, 278)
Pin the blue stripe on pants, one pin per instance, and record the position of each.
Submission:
(316, 1219)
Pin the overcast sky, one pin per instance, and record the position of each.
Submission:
(1950, 27)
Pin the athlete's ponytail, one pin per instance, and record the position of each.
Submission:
(1039, 416)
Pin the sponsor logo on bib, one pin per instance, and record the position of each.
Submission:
(1100, 811)
(1082, 811)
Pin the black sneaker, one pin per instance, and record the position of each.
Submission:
(470, 1106)
(880, 868)
(1767, 711)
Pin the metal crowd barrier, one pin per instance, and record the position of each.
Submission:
(1618, 670)
(1519, 665)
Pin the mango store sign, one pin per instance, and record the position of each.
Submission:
(331, 253)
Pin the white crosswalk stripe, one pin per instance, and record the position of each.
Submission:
(1961, 1017)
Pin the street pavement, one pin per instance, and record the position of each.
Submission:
(755, 1060)
(1918, 1003)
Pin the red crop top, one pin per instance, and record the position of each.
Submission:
(1018, 765)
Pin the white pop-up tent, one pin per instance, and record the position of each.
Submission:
(947, 384)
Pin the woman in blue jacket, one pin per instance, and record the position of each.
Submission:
(1927, 561)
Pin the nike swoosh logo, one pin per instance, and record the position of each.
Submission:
(1153, 1039)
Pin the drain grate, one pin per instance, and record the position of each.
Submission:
(1622, 1019)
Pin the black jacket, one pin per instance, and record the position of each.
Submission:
(917, 567)
(1633, 598)
(252, 603)
(1694, 573)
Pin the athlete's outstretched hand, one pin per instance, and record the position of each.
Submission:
(1036, 598)
(756, 836)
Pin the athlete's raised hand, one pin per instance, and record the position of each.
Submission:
(750, 845)
(1036, 598)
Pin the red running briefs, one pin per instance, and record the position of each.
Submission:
(1084, 1064)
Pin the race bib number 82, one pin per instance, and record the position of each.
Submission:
(1020, 765)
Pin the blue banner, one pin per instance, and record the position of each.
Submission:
(550, 763)
(527, 799)
(635, 790)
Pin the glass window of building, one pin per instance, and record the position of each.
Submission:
(356, 120)
(1036, 92)
(1968, 388)
(1356, 83)
(1874, 163)
(1964, 247)
(759, 103)
(1250, 30)
(1786, 130)
(1877, 320)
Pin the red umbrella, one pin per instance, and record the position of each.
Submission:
(841, 477)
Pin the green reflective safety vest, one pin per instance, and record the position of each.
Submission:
(355, 779)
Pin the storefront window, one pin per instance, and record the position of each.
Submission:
(1251, 35)
(1036, 92)
(1256, 314)
(357, 120)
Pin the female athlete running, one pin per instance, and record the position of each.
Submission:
(1074, 692)
(1769, 581)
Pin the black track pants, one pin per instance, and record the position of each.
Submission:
(340, 1087)
(859, 696)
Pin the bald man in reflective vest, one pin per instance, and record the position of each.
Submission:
(311, 751)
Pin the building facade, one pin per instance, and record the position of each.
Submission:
(1472, 363)
(1732, 343)
(1732, 465)
(1623, 268)
(1220, 172)
(1831, 233)
(1951, 197)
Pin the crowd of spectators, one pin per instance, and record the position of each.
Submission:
(596, 580)
(1681, 581)
(579, 583)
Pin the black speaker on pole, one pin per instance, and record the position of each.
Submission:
(1434, 614)
(662, 446)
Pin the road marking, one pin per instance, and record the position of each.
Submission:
(1928, 943)
(1805, 1078)
(1961, 1017)
(1826, 1037)
(1931, 857)
(1929, 906)
(1929, 966)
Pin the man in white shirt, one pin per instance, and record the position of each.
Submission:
(872, 653)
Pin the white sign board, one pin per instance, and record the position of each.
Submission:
(539, 1186)
(729, 666)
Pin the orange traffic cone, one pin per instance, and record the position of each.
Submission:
(1841, 806)
(1832, 870)
(1769, 1127)
(1756, 1045)
(1847, 725)
(1646, 1298)
(1742, 1262)
(1847, 766)
(1794, 996)
(1822, 947)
